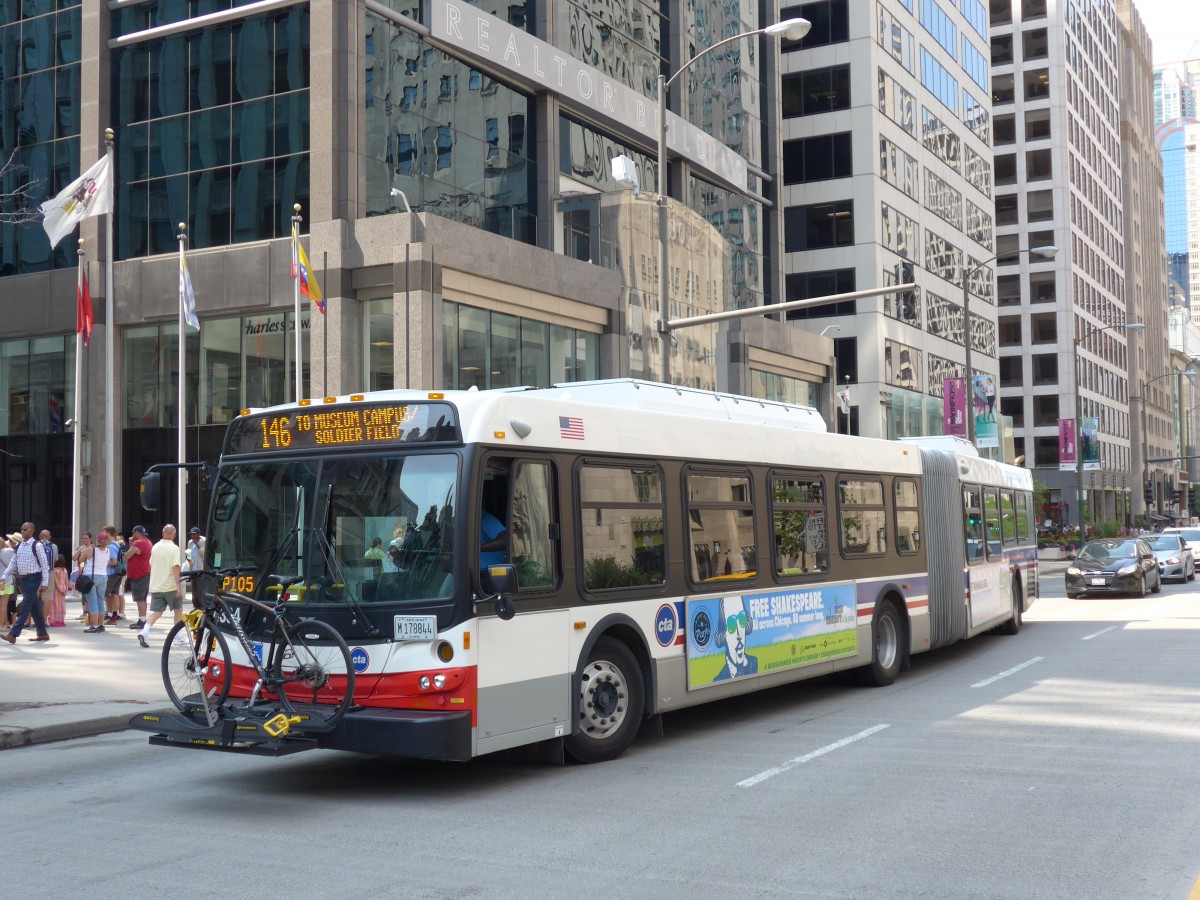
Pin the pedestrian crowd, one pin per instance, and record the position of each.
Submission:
(35, 578)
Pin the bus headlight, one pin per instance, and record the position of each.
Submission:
(439, 681)
(423, 682)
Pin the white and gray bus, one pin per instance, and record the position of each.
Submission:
(655, 548)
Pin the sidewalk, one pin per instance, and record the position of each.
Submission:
(78, 684)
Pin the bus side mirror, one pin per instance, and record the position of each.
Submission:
(150, 490)
(501, 581)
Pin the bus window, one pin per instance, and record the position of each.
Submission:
(991, 521)
(720, 527)
(863, 518)
(973, 522)
(1009, 529)
(908, 516)
(1022, 513)
(531, 519)
(622, 535)
(798, 523)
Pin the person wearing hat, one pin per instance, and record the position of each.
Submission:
(196, 548)
(137, 571)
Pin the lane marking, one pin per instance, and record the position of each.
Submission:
(1098, 633)
(792, 763)
(1008, 672)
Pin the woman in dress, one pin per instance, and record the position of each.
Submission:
(56, 615)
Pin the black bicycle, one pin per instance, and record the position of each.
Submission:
(302, 667)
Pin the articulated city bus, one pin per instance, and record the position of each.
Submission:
(669, 546)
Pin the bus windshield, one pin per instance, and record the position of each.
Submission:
(359, 531)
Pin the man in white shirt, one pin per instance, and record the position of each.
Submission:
(166, 589)
(33, 572)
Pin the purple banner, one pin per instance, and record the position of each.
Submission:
(1066, 444)
(954, 401)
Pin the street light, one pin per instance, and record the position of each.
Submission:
(1045, 253)
(793, 30)
(832, 378)
(1189, 372)
(1128, 326)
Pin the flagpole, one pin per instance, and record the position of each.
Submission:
(296, 219)
(77, 467)
(181, 529)
(110, 427)
(324, 329)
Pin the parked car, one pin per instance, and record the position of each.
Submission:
(1175, 560)
(1190, 535)
(1114, 566)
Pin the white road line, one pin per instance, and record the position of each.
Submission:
(791, 763)
(1098, 633)
(1005, 674)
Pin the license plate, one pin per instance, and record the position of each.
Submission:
(415, 628)
(1099, 581)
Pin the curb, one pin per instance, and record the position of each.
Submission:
(11, 738)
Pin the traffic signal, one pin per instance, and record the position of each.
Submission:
(908, 299)
(1170, 493)
(1148, 492)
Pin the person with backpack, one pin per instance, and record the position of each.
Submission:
(114, 597)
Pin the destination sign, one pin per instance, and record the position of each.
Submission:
(360, 425)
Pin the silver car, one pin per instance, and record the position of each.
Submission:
(1175, 559)
(1190, 535)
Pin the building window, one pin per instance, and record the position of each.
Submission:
(895, 38)
(486, 349)
(896, 103)
(806, 285)
(39, 122)
(940, 139)
(378, 343)
(37, 384)
(818, 225)
(816, 91)
(817, 158)
(213, 130)
(938, 24)
(830, 24)
(938, 81)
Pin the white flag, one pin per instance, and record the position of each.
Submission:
(187, 297)
(88, 195)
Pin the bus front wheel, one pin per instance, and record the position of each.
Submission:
(611, 702)
(886, 652)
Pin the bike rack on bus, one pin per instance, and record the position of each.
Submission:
(265, 731)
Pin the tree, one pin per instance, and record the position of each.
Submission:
(16, 193)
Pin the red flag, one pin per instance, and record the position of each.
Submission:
(83, 307)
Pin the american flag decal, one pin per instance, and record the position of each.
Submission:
(570, 428)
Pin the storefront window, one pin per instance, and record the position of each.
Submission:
(246, 361)
(37, 385)
(379, 358)
(491, 350)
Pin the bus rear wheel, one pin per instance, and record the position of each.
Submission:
(1013, 625)
(886, 653)
(611, 702)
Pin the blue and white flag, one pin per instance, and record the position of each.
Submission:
(187, 297)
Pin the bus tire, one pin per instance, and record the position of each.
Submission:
(886, 652)
(1013, 625)
(612, 701)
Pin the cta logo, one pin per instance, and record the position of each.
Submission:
(665, 625)
(360, 659)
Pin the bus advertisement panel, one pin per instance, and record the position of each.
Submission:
(736, 636)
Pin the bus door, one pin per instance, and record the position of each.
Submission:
(524, 671)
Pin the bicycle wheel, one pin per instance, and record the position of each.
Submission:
(196, 662)
(312, 668)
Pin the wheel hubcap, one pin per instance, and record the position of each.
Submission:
(886, 643)
(602, 699)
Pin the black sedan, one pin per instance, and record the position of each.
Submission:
(1114, 566)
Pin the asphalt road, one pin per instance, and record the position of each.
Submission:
(1060, 763)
